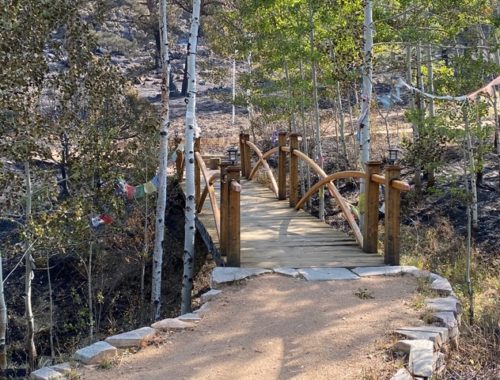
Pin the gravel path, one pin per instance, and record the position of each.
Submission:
(275, 327)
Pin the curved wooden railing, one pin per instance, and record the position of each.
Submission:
(368, 238)
(208, 190)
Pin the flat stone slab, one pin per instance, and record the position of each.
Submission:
(189, 317)
(402, 374)
(421, 360)
(46, 373)
(134, 338)
(384, 271)
(449, 303)
(423, 335)
(290, 272)
(223, 275)
(407, 345)
(442, 331)
(202, 310)
(96, 353)
(327, 274)
(210, 295)
(440, 285)
(64, 368)
(172, 324)
(447, 319)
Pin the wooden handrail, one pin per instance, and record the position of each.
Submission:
(211, 191)
(211, 180)
(265, 164)
(395, 183)
(262, 161)
(334, 193)
(324, 181)
(285, 149)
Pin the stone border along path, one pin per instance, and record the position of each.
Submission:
(423, 344)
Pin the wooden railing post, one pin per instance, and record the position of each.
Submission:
(372, 192)
(242, 155)
(392, 216)
(294, 170)
(197, 173)
(224, 207)
(281, 166)
(179, 165)
(248, 156)
(233, 225)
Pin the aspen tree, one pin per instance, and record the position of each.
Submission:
(190, 229)
(162, 172)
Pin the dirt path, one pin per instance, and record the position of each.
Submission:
(274, 327)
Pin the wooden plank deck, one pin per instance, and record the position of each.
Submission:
(274, 235)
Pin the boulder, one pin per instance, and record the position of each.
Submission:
(96, 353)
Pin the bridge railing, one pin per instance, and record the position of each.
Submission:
(368, 237)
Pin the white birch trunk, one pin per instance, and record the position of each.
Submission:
(305, 137)
(293, 127)
(30, 319)
(3, 321)
(89, 291)
(162, 172)
(51, 312)
(319, 150)
(234, 90)
(190, 229)
(364, 122)
(430, 77)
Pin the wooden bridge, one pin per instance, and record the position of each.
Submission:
(252, 225)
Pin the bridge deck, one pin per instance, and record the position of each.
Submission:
(274, 235)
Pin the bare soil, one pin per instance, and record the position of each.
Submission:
(275, 327)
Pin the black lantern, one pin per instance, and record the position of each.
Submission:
(393, 155)
(232, 154)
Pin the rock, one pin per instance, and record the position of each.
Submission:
(172, 324)
(327, 274)
(189, 317)
(407, 345)
(202, 310)
(446, 319)
(222, 275)
(442, 331)
(449, 303)
(287, 272)
(438, 363)
(210, 295)
(441, 285)
(423, 335)
(402, 374)
(96, 353)
(134, 338)
(421, 358)
(64, 368)
(46, 373)
(383, 271)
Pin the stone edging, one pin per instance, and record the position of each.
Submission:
(423, 344)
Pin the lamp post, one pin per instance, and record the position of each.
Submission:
(393, 155)
(232, 155)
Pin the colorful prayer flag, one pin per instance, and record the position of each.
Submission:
(139, 192)
(149, 187)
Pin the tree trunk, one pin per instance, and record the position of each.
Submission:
(234, 91)
(305, 141)
(417, 177)
(342, 125)
(497, 130)
(51, 314)
(319, 150)
(293, 126)
(190, 229)
(431, 176)
(162, 172)
(472, 166)
(3, 321)
(89, 295)
(30, 319)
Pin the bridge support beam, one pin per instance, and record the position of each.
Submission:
(294, 170)
(371, 197)
(233, 224)
(281, 166)
(392, 216)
